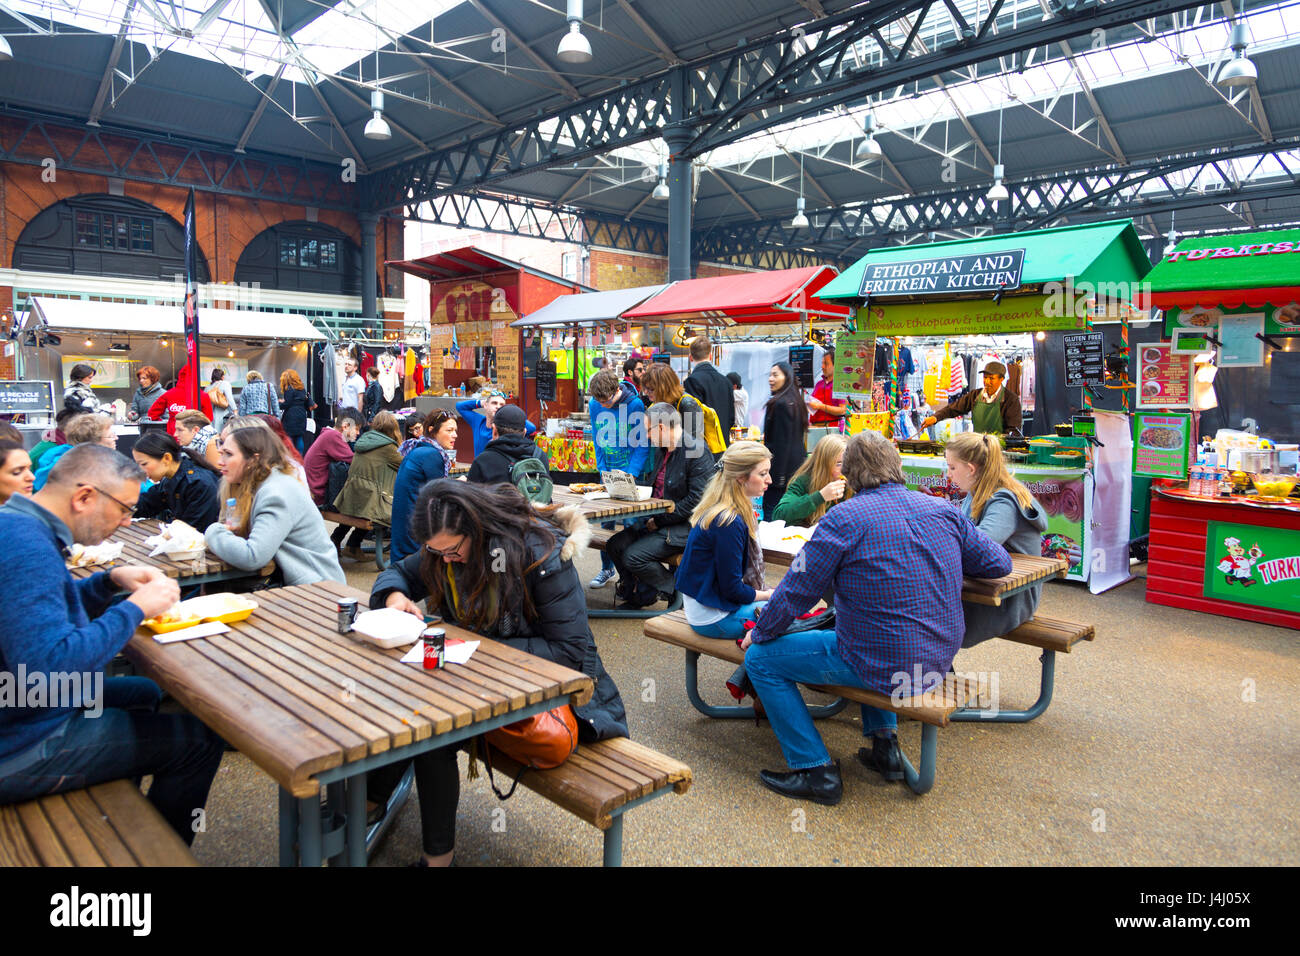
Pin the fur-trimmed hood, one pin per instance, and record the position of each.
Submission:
(569, 520)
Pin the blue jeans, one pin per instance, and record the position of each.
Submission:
(606, 562)
(776, 669)
(300, 443)
(128, 740)
(732, 627)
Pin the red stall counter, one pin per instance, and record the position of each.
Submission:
(1232, 558)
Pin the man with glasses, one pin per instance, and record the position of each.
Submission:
(87, 730)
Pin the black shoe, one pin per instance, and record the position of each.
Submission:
(818, 784)
(884, 757)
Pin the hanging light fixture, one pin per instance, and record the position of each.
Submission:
(574, 47)
(800, 221)
(6, 51)
(1238, 71)
(1173, 238)
(661, 191)
(869, 150)
(998, 192)
(377, 127)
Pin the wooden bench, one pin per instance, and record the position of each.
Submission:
(599, 542)
(1051, 635)
(602, 781)
(109, 824)
(933, 710)
(365, 524)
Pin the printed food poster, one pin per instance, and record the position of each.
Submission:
(1161, 444)
(1164, 380)
(1250, 564)
(1239, 345)
(855, 361)
(109, 372)
(1062, 492)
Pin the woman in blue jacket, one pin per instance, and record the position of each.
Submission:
(721, 574)
(479, 412)
(425, 463)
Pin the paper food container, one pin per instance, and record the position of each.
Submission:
(388, 627)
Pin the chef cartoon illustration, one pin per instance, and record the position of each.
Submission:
(1238, 564)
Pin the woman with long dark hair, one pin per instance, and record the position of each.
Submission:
(492, 562)
(785, 431)
(185, 486)
(16, 476)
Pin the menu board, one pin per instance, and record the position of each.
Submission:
(801, 360)
(1084, 362)
(508, 368)
(1161, 444)
(1239, 342)
(546, 381)
(855, 361)
(1164, 380)
(109, 372)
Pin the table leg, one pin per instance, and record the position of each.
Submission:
(335, 807)
(921, 782)
(355, 827)
(739, 711)
(288, 828)
(1045, 688)
(309, 831)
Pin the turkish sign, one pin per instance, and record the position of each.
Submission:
(1021, 313)
(978, 273)
(1252, 564)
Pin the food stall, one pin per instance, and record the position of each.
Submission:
(929, 317)
(117, 339)
(1225, 526)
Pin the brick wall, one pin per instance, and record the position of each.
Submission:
(617, 269)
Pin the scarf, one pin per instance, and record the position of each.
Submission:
(754, 569)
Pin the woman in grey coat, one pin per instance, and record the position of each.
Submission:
(1003, 509)
(274, 516)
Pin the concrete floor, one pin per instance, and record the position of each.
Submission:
(1148, 756)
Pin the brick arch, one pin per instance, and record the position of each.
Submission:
(276, 258)
(101, 234)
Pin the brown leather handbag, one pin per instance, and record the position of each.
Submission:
(539, 742)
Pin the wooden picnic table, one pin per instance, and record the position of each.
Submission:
(313, 707)
(206, 570)
(609, 509)
(1026, 570)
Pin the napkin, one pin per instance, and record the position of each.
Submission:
(458, 652)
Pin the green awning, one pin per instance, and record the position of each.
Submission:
(1106, 252)
(1243, 269)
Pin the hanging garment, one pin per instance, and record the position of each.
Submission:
(410, 384)
(1013, 378)
(341, 356)
(388, 378)
(905, 364)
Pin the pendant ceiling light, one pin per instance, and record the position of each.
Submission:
(1239, 71)
(800, 221)
(1173, 237)
(869, 150)
(661, 191)
(998, 192)
(574, 48)
(6, 51)
(377, 128)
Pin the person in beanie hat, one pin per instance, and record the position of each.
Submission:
(994, 409)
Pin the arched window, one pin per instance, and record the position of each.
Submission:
(304, 257)
(104, 235)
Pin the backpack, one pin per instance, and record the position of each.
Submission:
(712, 436)
(533, 480)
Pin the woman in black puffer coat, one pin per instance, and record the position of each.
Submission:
(477, 539)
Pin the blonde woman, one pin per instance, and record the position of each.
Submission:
(817, 485)
(274, 517)
(257, 396)
(295, 404)
(1003, 509)
(721, 574)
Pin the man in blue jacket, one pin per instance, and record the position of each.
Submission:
(62, 726)
(618, 431)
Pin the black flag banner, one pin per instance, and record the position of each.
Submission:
(192, 303)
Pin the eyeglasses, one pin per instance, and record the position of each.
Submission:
(449, 553)
(128, 509)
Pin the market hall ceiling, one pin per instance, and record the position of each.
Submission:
(1096, 94)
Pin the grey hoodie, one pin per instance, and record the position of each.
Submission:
(1020, 531)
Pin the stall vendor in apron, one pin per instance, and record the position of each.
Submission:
(994, 410)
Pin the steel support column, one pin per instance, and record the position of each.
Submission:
(369, 300)
(680, 202)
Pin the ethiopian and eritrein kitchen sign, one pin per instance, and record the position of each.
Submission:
(987, 272)
(1252, 564)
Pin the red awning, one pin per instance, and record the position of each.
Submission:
(1215, 298)
(784, 295)
(469, 262)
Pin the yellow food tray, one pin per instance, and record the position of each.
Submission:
(230, 617)
(161, 628)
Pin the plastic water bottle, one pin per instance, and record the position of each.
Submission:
(758, 508)
(228, 514)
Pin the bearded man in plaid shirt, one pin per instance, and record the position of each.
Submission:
(895, 561)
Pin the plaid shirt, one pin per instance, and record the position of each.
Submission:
(896, 560)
